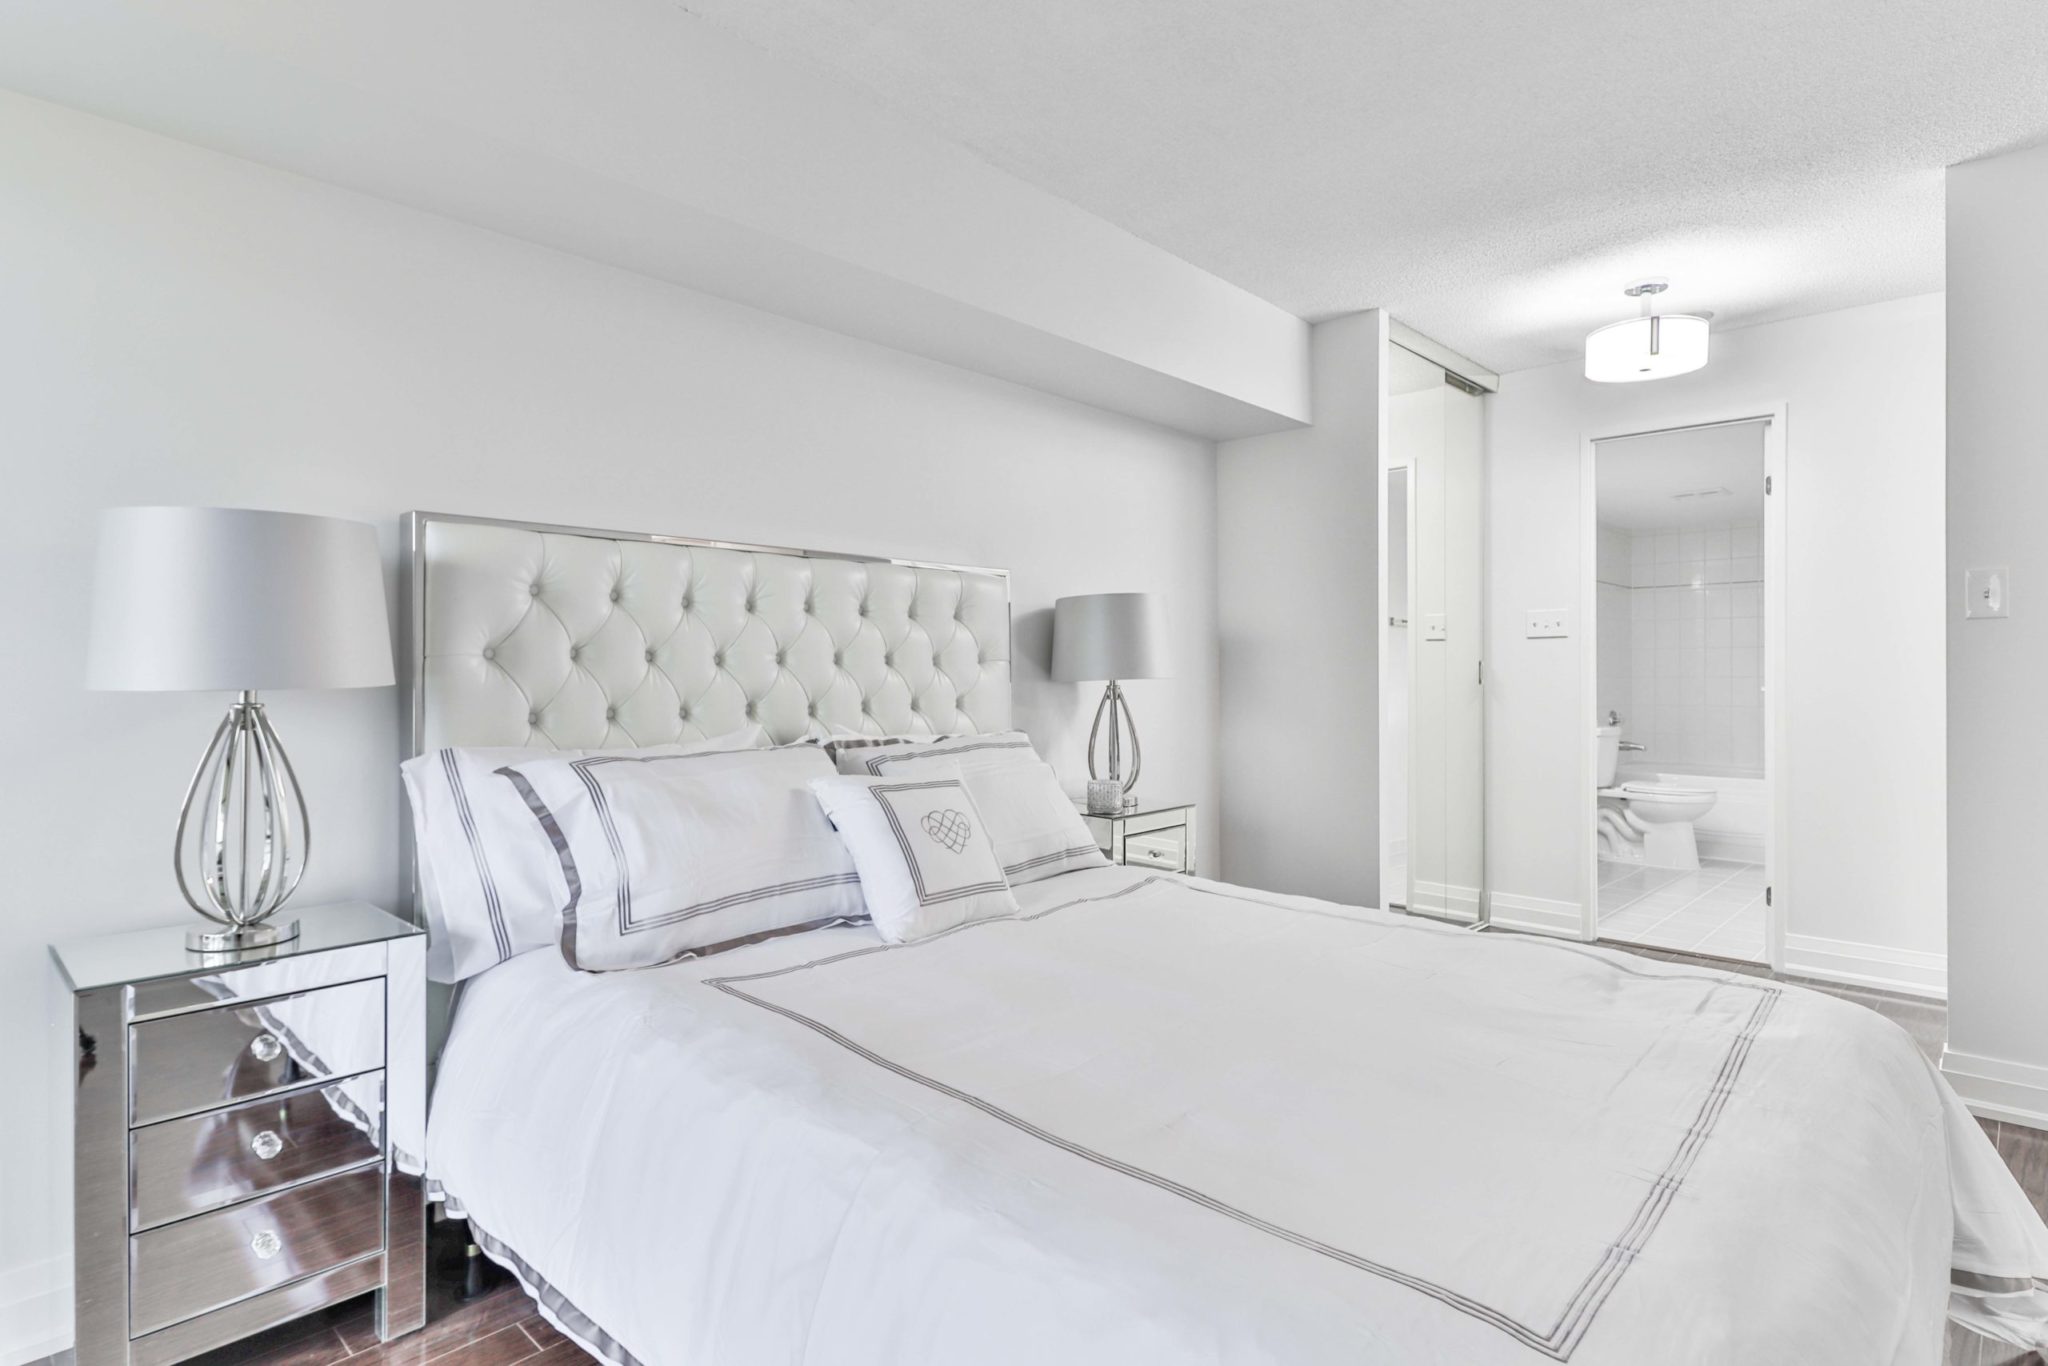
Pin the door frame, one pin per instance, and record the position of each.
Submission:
(1393, 892)
(1777, 748)
(1477, 384)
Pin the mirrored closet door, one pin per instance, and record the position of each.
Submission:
(1433, 855)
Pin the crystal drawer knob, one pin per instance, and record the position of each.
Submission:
(265, 1047)
(266, 1245)
(266, 1145)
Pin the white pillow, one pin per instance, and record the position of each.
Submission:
(1038, 832)
(661, 857)
(925, 858)
(487, 883)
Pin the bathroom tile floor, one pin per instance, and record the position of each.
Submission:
(1718, 911)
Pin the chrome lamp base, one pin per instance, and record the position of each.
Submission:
(1119, 712)
(244, 828)
(263, 935)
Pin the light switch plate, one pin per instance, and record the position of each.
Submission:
(1433, 627)
(1548, 623)
(1986, 592)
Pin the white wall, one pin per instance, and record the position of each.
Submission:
(1297, 604)
(1690, 657)
(1864, 688)
(180, 326)
(1998, 728)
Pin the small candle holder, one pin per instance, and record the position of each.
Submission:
(1105, 796)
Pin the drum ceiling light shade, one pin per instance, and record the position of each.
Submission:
(1653, 346)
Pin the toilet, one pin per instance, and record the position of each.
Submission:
(1646, 823)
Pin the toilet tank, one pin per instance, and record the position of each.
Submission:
(1608, 756)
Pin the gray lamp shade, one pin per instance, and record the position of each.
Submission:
(1099, 636)
(203, 599)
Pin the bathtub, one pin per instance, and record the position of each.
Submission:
(1735, 828)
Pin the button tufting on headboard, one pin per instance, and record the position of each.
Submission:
(622, 640)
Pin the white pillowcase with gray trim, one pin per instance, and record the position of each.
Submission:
(925, 857)
(661, 857)
(1036, 828)
(487, 882)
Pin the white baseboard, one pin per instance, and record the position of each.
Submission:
(1867, 965)
(1437, 898)
(1730, 844)
(1995, 1088)
(1539, 914)
(35, 1311)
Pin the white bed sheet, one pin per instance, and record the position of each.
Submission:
(1159, 1119)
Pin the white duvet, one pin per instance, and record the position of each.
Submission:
(1157, 1119)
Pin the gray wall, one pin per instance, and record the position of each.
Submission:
(1297, 605)
(1998, 669)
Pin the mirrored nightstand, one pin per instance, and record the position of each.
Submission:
(1149, 835)
(246, 1133)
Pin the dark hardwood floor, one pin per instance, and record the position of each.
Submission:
(502, 1328)
(496, 1330)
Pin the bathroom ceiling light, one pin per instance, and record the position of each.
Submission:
(1652, 346)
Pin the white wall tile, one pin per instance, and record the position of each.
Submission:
(1692, 670)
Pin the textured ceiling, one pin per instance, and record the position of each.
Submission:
(1492, 173)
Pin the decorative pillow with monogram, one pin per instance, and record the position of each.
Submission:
(1037, 830)
(925, 857)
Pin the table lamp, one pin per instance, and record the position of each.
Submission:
(1110, 636)
(242, 601)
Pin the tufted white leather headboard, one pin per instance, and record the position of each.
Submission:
(562, 637)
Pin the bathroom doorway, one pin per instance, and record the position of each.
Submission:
(1685, 601)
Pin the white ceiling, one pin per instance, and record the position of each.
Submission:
(1493, 173)
(1636, 479)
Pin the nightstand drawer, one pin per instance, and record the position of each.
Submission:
(258, 982)
(187, 1166)
(185, 1269)
(209, 1058)
(1167, 849)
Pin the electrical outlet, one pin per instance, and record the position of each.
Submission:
(1548, 623)
(1984, 592)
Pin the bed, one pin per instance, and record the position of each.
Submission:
(1148, 1117)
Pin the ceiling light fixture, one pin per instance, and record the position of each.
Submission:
(1653, 346)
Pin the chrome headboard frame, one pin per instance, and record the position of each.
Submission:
(917, 646)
